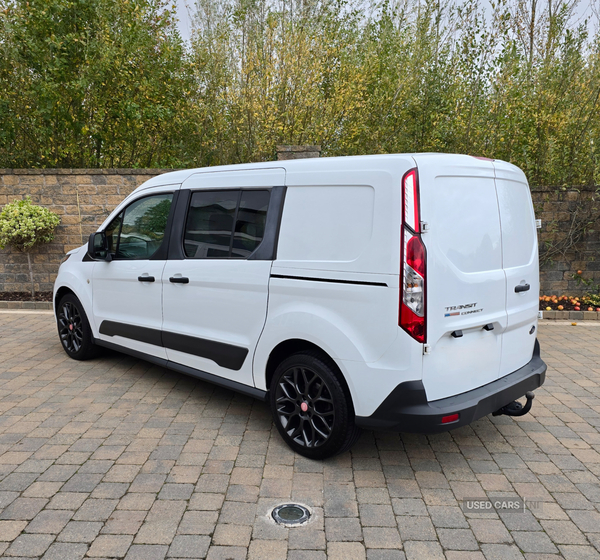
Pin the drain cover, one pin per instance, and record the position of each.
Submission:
(291, 514)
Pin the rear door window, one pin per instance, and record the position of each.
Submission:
(225, 224)
(250, 223)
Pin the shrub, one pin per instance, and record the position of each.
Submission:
(592, 299)
(23, 226)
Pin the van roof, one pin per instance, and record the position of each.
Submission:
(347, 163)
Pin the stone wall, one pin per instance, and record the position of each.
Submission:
(297, 152)
(569, 239)
(84, 197)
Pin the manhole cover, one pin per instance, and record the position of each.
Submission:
(291, 514)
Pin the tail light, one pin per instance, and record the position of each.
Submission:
(410, 208)
(413, 296)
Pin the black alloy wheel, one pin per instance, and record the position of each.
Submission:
(305, 406)
(70, 327)
(74, 329)
(311, 406)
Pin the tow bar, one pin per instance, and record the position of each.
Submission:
(515, 408)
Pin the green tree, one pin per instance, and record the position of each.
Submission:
(518, 80)
(92, 83)
(109, 82)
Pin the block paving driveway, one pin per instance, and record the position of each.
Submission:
(117, 458)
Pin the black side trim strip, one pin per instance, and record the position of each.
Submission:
(162, 252)
(175, 252)
(162, 362)
(199, 374)
(334, 280)
(222, 382)
(226, 355)
(143, 334)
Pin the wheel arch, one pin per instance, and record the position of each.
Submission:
(69, 282)
(60, 293)
(292, 346)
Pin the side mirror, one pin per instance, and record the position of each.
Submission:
(98, 247)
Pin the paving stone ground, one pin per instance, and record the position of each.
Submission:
(117, 458)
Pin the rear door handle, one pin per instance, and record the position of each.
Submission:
(179, 280)
(522, 288)
(146, 278)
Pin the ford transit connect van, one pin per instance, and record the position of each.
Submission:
(394, 291)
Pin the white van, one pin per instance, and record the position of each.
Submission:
(392, 291)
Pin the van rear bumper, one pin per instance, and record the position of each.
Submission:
(407, 409)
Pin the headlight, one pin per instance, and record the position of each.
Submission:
(64, 259)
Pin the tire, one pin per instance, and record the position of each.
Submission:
(74, 329)
(311, 407)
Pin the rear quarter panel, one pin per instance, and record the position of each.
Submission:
(356, 239)
(356, 325)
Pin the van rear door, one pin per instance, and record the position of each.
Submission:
(466, 283)
(520, 259)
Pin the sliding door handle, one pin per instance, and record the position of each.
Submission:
(522, 288)
(179, 280)
(146, 278)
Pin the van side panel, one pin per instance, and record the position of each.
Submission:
(363, 312)
(347, 220)
(325, 227)
(335, 281)
(322, 225)
(356, 324)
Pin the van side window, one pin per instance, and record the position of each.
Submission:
(209, 224)
(210, 231)
(142, 227)
(250, 223)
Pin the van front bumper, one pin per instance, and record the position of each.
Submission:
(407, 409)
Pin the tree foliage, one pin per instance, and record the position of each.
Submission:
(109, 83)
(517, 81)
(91, 83)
